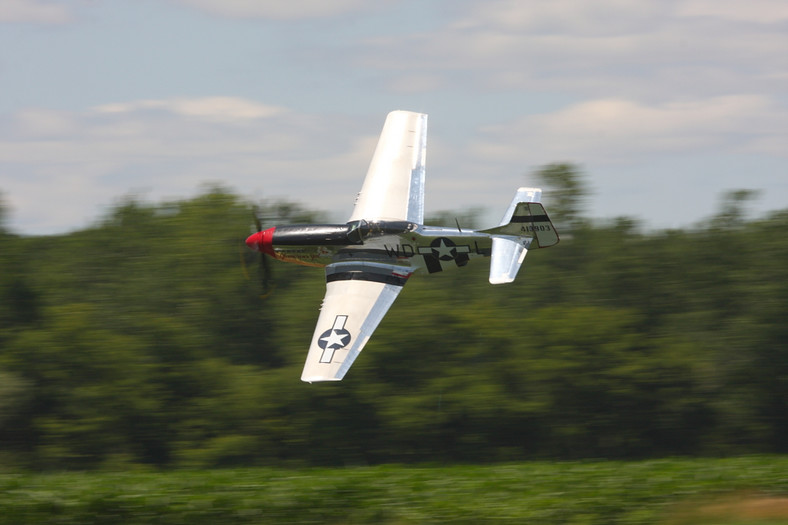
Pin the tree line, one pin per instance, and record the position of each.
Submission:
(140, 341)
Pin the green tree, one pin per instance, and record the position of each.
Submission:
(139, 340)
(566, 193)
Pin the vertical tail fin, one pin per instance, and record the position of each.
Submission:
(525, 225)
(530, 220)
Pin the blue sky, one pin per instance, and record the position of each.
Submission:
(665, 104)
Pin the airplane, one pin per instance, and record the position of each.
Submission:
(369, 259)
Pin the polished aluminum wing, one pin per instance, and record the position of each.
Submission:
(394, 186)
(358, 295)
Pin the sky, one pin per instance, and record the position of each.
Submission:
(664, 104)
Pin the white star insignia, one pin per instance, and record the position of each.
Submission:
(445, 251)
(334, 339)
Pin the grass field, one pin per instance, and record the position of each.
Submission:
(746, 490)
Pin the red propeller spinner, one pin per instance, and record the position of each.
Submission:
(262, 241)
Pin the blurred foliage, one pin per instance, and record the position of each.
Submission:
(140, 342)
(733, 491)
(566, 192)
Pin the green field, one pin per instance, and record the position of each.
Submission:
(671, 491)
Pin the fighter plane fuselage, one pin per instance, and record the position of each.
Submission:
(392, 242)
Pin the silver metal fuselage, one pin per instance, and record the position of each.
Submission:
(402, 243)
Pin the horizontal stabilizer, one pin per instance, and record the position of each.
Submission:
(506, 258)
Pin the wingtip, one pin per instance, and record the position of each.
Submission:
(407, 112)
(319, 379)
(501, 280)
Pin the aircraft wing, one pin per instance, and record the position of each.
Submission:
(358, 295)
(394, 186)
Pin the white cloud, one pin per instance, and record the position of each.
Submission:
(61, 167)
(602, 17)
(277, 9)
(757, 11)
(213, 108)
(649, 49)
(35, 123)
(609, 131)
(33, 11)
(656, 79)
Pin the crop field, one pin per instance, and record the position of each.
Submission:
(751, 490)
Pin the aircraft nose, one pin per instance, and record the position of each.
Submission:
(262, 241)
(254, 241)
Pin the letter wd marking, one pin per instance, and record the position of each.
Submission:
(334, 339)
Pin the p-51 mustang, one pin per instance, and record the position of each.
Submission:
(370, 258)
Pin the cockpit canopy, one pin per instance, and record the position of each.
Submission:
(361, 229)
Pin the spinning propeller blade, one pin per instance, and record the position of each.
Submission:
(264, 266)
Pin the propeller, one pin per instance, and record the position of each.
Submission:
(263, 264)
